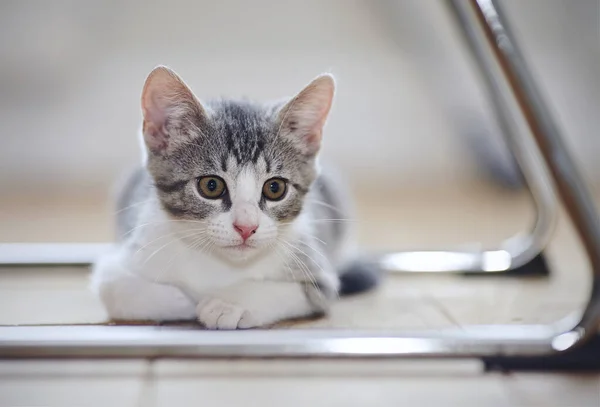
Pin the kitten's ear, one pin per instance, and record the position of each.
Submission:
(170, 109)
(302, 118)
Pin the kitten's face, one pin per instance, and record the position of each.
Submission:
(237, 171)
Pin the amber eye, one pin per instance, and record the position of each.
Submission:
(211, 187)
(274, 189)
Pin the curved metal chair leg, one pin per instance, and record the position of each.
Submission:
(521, 254)
(505, 69)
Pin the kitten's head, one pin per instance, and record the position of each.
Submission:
(238, 171)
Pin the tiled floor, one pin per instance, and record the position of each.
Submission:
(289, 383)
(421, 219)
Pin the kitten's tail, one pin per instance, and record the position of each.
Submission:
(358, 276)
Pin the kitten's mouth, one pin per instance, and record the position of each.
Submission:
(241, 247)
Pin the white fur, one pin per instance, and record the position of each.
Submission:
(143, 146)
(175, 270)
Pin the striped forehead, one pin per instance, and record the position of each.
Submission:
(244, 130)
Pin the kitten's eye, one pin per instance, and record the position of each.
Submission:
(211, 187)
(274, 189)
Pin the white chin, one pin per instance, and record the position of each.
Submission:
(239, 252)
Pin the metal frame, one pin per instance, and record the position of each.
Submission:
(519, 250)
(51, 254)
(485, 25)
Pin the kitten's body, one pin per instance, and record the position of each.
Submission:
(178, 256)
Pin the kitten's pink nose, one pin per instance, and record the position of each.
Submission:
(245, 231)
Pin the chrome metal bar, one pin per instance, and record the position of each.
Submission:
(148, 341)
(518, 250)
(500, 340)
(51, 254)
(501, 62)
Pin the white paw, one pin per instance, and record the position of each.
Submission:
(215, 313)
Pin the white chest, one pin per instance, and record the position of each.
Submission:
(195, 270)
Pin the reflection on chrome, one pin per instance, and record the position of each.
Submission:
(381, 346)
(565, 341)
(446, 261)
(498, 260)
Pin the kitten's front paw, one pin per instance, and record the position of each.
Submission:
(215, 313)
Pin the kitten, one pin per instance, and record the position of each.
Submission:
(229, 221)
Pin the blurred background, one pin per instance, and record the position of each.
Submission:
(410, 114)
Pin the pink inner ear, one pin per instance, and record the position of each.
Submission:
(313, 140)
(155, 118)
(154, 109)
(306, 114)
(305, 124)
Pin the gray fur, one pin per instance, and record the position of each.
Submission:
(248, 134)
(241, 130)
(134, 192)
(358, 276)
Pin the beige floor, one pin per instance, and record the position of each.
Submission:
(283, 383)
(419, 219)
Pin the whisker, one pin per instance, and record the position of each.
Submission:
(312, 236)
(158, 222)
(305, 269)
(135, 204)
(321, 221)
(199, 239)
(310, 257)
(201, 234)
(325, 204)
(195, 241)
(304, 253)
(202, 244)
(291, 103)
(165, 245)
(165, 270)
(211, 246)
(289, 253)
(162, 237)
(315, 250)
(274, 247)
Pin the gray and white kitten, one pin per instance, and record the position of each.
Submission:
(229, 220)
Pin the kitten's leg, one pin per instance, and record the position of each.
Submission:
(127, 296)
(251, 304)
